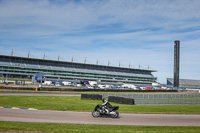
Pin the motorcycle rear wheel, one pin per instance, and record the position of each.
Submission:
(95, 114)
(116, 115)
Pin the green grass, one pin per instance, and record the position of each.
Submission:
(76, 128)
(74, 103)
(14, 79)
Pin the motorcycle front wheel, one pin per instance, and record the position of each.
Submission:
(95, 114)
(115, 115)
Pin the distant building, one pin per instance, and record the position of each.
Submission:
(23, 67)
(185, 83)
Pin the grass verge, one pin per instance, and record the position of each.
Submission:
(74, 103)
(76, 128)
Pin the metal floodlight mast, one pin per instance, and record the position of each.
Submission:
(176, 63)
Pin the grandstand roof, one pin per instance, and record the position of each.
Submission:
(74, 64)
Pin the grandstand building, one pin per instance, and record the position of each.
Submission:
(24, 67)
(185, 83)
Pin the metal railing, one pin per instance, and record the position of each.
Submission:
(152, 99)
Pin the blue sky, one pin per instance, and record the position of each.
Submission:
(136, 32)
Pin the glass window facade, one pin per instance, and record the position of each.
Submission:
(21, 66)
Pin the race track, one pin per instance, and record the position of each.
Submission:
(49, 116)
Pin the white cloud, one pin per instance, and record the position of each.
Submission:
(132, 31)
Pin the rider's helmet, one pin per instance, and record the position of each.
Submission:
(103, 100)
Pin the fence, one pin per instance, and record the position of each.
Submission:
(166, 101)
(153, 96)
(153, 99)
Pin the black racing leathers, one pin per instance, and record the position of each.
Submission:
(107, 105)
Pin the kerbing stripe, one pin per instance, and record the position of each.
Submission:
(23, 108)
(14, 108)
(17, 108)
(7, 107)
(31, 109)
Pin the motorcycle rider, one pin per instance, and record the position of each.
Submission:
(106, 106)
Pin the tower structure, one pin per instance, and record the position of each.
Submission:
(176, 63)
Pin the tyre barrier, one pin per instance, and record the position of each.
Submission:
(121, 100)
(91, 96)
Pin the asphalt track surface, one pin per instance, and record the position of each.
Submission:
(71, 117)
(49, 116)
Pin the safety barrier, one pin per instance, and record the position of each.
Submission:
(153, 99)
(17, 88)
(91, 96)
(154, 96)
(121, 100)
(166, 101)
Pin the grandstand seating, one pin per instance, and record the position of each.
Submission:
(61, 68)
(86, 72)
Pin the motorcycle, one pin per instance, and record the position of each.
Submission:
(100, 111)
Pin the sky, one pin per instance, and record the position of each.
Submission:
(135, 33)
